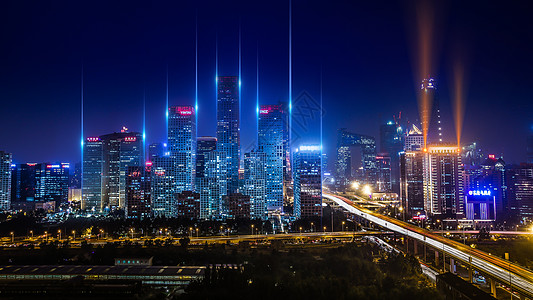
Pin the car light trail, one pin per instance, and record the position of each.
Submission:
(520, 278)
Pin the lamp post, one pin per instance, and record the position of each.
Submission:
(59, 233)
(46, 236)
(31, 232)
(12, 237)
(313, 224)
(197, 229)
(324, 229)
(74, 234)
(252, 229)
(300, 229)
(342, 225)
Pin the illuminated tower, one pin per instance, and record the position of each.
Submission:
(5, 180)
(431, 113)
(228, 126)
(138, 191)
(391, 140)
(270, 142)
(443, 182)
(182, 144)
(93, 160)
(307, 182)
(412, 182)
(255, 183)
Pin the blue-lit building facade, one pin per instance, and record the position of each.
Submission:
(480, 208)
(93, 161)
(271, 143)
(138, 191)
(182, 145)
(307, 182)
(255, 183)
(228, 126)
(163, 185)
(5, 180)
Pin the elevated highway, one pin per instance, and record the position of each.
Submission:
(515, 276)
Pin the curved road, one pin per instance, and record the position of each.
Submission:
(516, 276)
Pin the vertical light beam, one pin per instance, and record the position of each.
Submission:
(144, 127)
(290, 79)
(257, 92)
(82, 138)
(459, 101)
(196, 77)
(166, 112)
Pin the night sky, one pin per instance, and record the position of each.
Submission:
(365, 51)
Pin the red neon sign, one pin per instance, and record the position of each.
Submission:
(93, 139)
(184, 110)
(130, 139)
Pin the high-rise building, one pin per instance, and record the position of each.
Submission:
(75, 178)
(255, 183)
(480, 208)
(182, 144)
(428, 91)
(106, 160)
(412, 182)
(270, 142)
(205, 144)
(414, 139)
(188, 205)
(384, 163)
(120, 151)
(519, 180)
(27, 184)
(55, 183)
(228, 126)
(163, 185)
(5, 180)
(212, 185)
(490, 177)
(443, 182)
(392, 143)
(138, 191)
(93, 162)
(307, 182)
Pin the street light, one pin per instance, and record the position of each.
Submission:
(313, 224)
(355, 185)
(190, 229)
(324, 228)
(252, 229)
(131, 231)
(46, 235)
(74, 234)
(12, 237)
(59, 232)
(197, 229)
(367, 190)
(342, 225)
(300, 229)
(31, 232)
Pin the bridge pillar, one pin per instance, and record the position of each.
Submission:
(415, 247)
(493, 287)
(453, 267)
(470, 271)
(436, 258)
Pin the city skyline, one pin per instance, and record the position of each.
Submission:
(126, 91)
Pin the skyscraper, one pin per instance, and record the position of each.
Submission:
(529, 150)
(211, 178)
(270, 142)
(384, 163)
(443, 182)
(138, 191)
(55, 183)
(519, 181)
(120, 151)
(163, 186)
(307, 182)
(391, 136)
(93, 161)
(428, 91)
(412, 182)
(205, 144)
(5, 180)
(182, 144)
(228, 126)
(255, 183)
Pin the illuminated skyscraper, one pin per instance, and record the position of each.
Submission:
(412, 182)
(255, 183)
(120, 150)
(163, 186)
(270, 142)
(5, 180)
(55, 183)
(26, 184)
(391, 136)
(519, 181)
(93, 161)
(205, 144)
(443, 182)
(428, 89)
(228, 126)
(529, 150)
(182, 144)
(307, 182)
(138, 192)
(384, 183)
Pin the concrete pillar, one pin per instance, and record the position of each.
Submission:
(493, 287)
(470, 271)
(436, 258)
(453, 268)
(415, 247)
